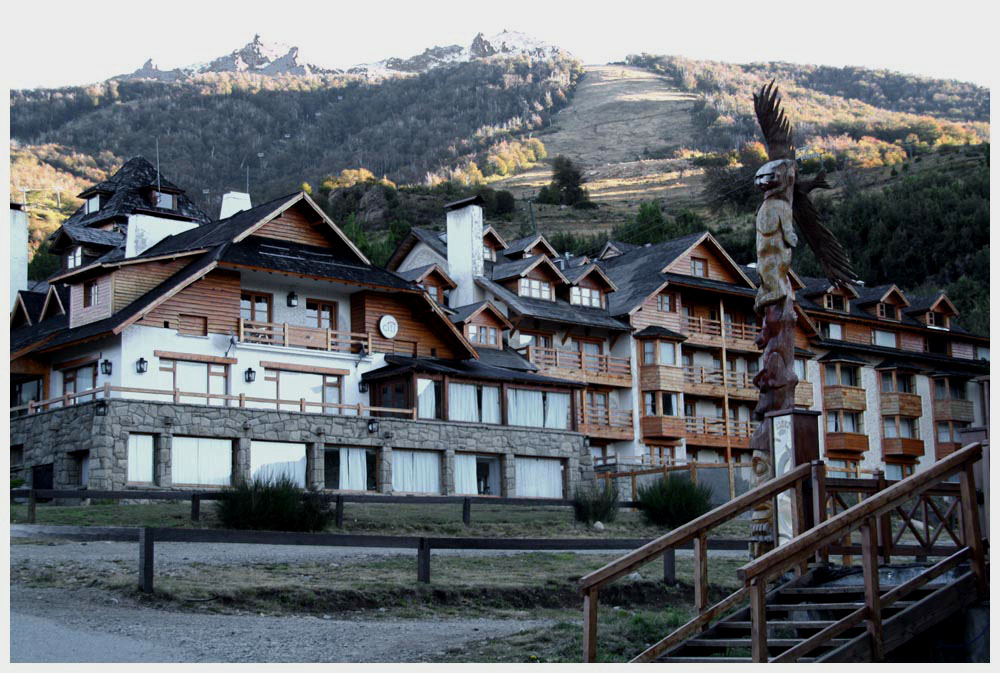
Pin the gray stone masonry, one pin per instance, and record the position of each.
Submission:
(49, 437)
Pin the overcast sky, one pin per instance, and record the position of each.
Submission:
(60, 43)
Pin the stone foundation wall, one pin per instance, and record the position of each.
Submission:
(50, 436)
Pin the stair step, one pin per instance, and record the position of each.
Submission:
(746, 642)
(790, 607)
(707, 660)
(804, 624)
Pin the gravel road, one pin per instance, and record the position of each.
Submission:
(85, 625)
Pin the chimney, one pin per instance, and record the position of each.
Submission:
(465, 248)
(232, 203)
(18, 250)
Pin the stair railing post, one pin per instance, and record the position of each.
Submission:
(884, 524)
(669, 567)
(758, 620)
(700, 575)
(819, 502)
(970, 527)
(869, 564)
(590, 626)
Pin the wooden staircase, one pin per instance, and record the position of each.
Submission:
(804, 608)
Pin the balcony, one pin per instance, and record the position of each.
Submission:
(704, 431)
(662, 427)
(601, 369)
(708, 332)
(740, 385)
(844, 397)
(295, 336)
(944, 449)
(661, 377)
(953, 410)
(854, 443)
(803, 394)
(605, 423)
(900, 404)
(902, 446)
(704, 381)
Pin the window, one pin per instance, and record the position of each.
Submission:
(74, 258)
(667, 353)
(140, 459)
(844, 421)
(983, 353)
(22, 392)
(699, 267)
(537, 289)
(538, 477)
(800, 369)
(321, 314)
(163, 200)
(649, 352)
(79, 379)
(315, 388)
(936, 319)
(898, 382)
(416, 471)
(668, 404)
(481, 334)
(649, 404)
(908, 427)
(842, 374)
(255, 306)
(273, 460)
(884, 338)
(538, 340)
(473, 403)
(488, 253)
(844, 468)
(197, 377)
(350, 469)
(477, 475)
(897, 471)
(585, 296)
(432, 290)
(206, 461)
(90, 294)
(887, 311)
(944, 432)
(665, 303)
(832, 330)
(957, 389)
(93, 204)
(834, 302)
(429, 399)
(536, 408)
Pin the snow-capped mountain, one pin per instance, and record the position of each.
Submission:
(270, 58)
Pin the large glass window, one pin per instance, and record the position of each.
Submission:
(429, 398)
(79, 379)
(538, 477)
(832, 330)
(140, 459)
(585, 296)
(272, 460)
(208, 461)
(477, 475)
(22, 392)
(667, 353)
(255, 306)
(473, 403)
(537, 289)
(350, 469)
(416, 471)
(884, 338)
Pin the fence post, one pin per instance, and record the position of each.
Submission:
(884, 524)
(590, 626)
(467, 511)
(195, 507)
(669, 567)
(32, 505)
(146, 560)
(340, 511)
(970, 526)
(424, 561)
(869, 564)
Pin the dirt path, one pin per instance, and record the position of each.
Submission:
(85, 625)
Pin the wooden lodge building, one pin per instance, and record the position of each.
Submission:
(173, 350)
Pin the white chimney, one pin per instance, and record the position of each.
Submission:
(18, 250)
(232, 203)
(465, 248)
(145, 231)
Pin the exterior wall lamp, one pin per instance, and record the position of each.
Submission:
(293, 300)
(141, 365)
(372, 427)
(362, 386)
(101, 409)
(249, 375)
(106, 367)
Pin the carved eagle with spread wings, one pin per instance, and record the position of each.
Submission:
(777, 135)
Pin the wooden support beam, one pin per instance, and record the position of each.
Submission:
(146, 560)
(758, 620)
(669, 567)
(970, 527)
(869, 563)
(700, 572)
(590, 626)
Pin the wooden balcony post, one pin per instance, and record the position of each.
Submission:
(31, 407)
(302, 404)
(284, 332)
(107, 390)
(241, 336)
(329, 339)
(177, 395)
(869, 564)
(970, 527)
(590, 626)
(758, 620)
(146, 560)
(243, 400)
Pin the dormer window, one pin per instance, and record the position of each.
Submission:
(835, 302)
(536, 289)
(585, 296)
(74, 258)
(936, 319)
(699, 267)
(90, 295)
(488, 253)
(887, 311)
(164, 200)
(432, 290)
(93, 204)
(481, 334)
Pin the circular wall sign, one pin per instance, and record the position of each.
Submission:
(388, 326)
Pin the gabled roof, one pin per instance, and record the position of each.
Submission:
(842, 356)
(614, 248)
(636, 272)
(924, 303)
(71, 234)
(430, 238)
(521, 267)
(707, 237)
(490, 231)
(420, 273)
(575, 274)
(558, 310)
(56, 301)
(815, 286)
(27, 307)
(525, 244)
(879, 293)
(463, 314)
(127, 188)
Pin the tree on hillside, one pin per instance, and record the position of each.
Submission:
(566, 188)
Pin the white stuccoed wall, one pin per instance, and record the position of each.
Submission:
(145, 231)
(814, 374)
(925, 388)
(422, 255)
(18, 252)
(872, 459)
(465, 252)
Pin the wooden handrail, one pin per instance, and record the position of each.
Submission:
(283, 334)
(593, 363)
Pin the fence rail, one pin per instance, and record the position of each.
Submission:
(283, 334)
(590, 363)
(147, 537)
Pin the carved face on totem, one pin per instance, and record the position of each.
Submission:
(776, 178)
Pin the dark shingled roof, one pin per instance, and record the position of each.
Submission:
(937, 361)
(842, 356)
(869, 295)
(556, 311)
(25, 336)
(33, 302)
(462, 313)
(89, 235)
(637, 272)
(511, 269)
(661, 332)
(412, 274)
(473, 369)
(507, 358)
(127, 188)
(432, 238)
(309, 260)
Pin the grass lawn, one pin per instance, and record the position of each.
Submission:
(379, 519)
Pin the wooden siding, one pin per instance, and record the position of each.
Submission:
(543, 272)
(953, 410)
(857, 333)
(840, 443)
(662, 427)
(134, 280)
(908, 341)
(215, 297)
(900, 404)
(419, 330)
(804, 394)
(902, 446)
(78, 315)
(300, 225)
(962, 349)
(844, 397)
(717, 268)
(944, 449)
(649, 314)
(661, 377)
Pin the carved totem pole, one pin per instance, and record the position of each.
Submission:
(786, 200)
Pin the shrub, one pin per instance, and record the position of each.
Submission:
(16, 482)
(673, 502)
(595, 503)
(272, 504)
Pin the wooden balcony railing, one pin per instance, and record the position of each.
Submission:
(588, 364)
(741, 380)
(612, 418)
(717, 328)
(954, 410)
(703, 376)
(702, 425)
(283, 334)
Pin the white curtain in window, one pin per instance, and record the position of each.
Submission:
(416, 471)
(192, 377)
(557, 410)
(353, 469)
(525, 407)
(462, 403)
(465, 474)
(426, 401)
(140, 458)
(202, 460)
(272, 460)
(666, 353)
(85, 470)
(491, 404)
(538, 477)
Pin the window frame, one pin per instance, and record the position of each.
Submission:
(668, 299)
(703, 263)
(254, 295)
(91, 294)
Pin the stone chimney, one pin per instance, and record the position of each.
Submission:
(232, 203)
(465, 248)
